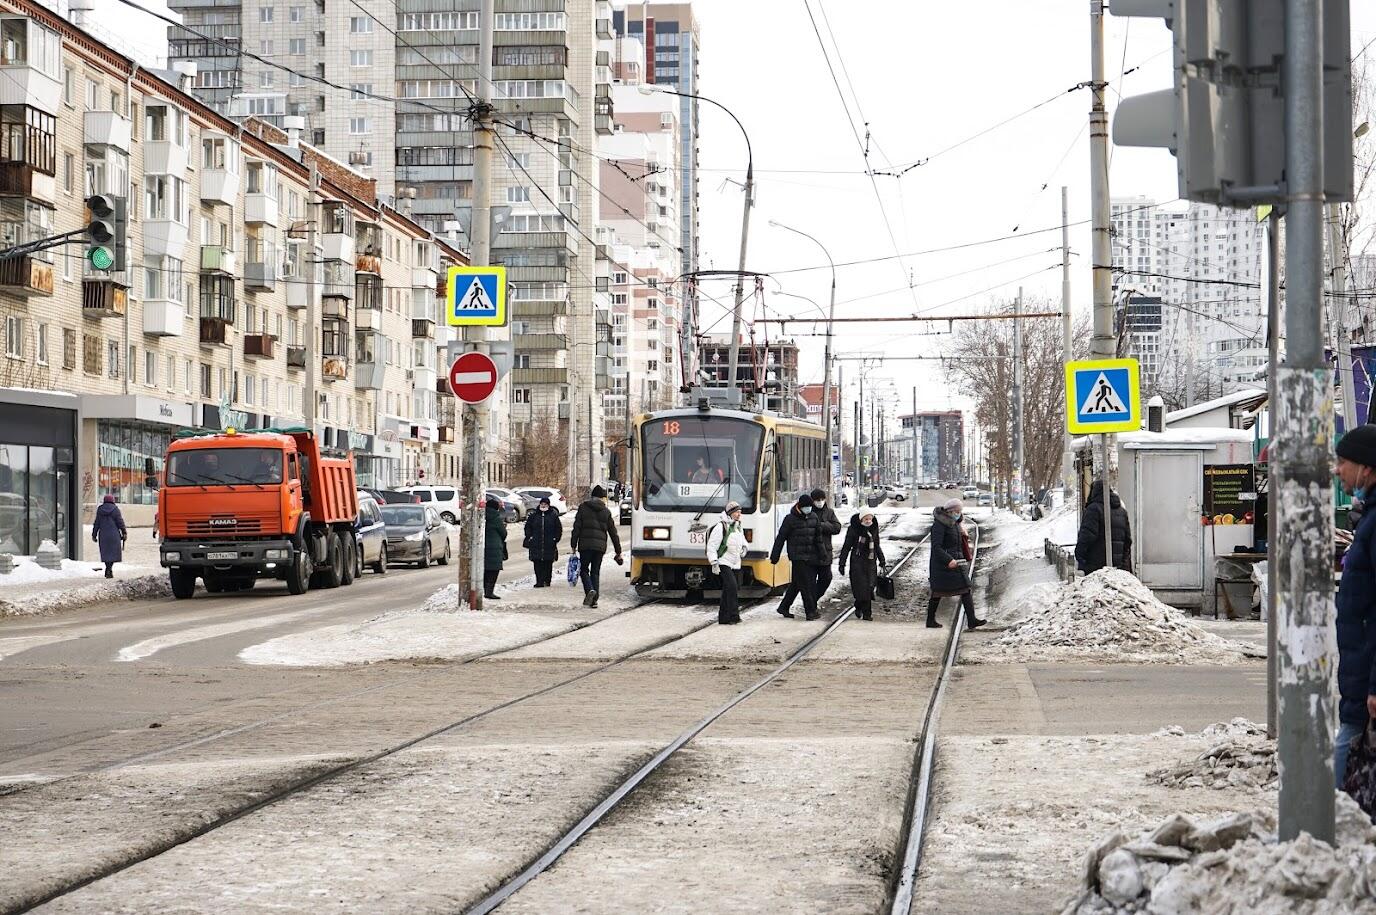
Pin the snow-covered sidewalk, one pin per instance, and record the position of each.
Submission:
(31, 589)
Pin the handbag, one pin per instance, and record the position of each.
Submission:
(883, 587)
(1360, 781)
(574, 565)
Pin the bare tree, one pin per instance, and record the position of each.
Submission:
(982, 367)
(539, 455)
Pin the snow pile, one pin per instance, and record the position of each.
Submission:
(1233, 864)
(908, 525)
(1024, 538)
(1238, 728)
(55, 601)
(1111, 615)
(28, 572)
(1230, 764)
(445, 600)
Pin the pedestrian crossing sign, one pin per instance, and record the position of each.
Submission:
(1102, 395)
(476, 297)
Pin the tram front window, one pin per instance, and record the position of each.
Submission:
(695, 463)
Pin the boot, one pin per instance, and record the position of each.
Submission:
(972, 623)
(784, 613)
(932, 623)
(488, 595)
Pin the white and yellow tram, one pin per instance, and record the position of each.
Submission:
(688, 463)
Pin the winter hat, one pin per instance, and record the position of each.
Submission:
(598, 492)
(805, 501)
(951, 505)
(543, 501)
(109, 497)
(819, 495)
(1359, 445)
(732, 506)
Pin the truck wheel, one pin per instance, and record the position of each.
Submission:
(183, 583)
(444, 559)
(333, 575)
(380, 567)
(350, 564)
(299, 577)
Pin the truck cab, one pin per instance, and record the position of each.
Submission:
(238, 506)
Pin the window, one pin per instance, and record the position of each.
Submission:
(112, 358)
(294, 13)
(68, 171)
(165, 199)
(521, 395)
(361, 25)
(92, 95)
(41, 357)
(521, 361)
(518, 194)
(296, 46)
(150, 368)
(358, 126)
(360, 91)
(68, 348)
(14, 336)
(171, 372)
(360, 58)
(265, 46)
(265, 13)
(267, 79)
(67, 86)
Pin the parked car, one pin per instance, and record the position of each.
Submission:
(556, 498)
(511, 501)
(627, 503)
(969, 492)
(416, 534)
(393, 497)
(443, 499)
(371, 532)
(986, 498)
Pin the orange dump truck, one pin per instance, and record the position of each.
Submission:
(238, 506)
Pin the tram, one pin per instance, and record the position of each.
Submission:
(688, 463)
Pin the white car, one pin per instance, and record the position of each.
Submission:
(443, 499)
(969, 492)
(533, 494)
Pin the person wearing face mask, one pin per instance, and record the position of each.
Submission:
(950, 550)
(1356, 619)
(866, 556)
(801, 534)
(828, 525)
(543, 531)
(726, 546)
(1089, 545)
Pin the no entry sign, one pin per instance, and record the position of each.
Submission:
(473, 377)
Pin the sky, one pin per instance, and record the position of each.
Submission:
(949, 85)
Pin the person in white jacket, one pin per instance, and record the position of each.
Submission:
(725, 549)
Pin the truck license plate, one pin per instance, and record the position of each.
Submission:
(697, 536)
(222, 555)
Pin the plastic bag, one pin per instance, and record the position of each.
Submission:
(574, 565)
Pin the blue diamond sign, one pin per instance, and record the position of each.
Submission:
(476, 297)
(1102, 395)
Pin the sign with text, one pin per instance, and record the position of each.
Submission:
(1230, 492)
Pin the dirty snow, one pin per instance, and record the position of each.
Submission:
(407, 634)
(1108, 615)
(1232, 864)
(27, 571)
(42, 601)
(1230, 764)
(1229, 730)
(1018, 537)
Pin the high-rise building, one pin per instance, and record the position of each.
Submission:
(771, 368)
(941, 440)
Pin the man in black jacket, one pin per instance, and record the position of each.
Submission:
(593, 526)
(828, 526)
(801, 533)
(1089, 545)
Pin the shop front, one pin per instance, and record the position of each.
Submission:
(127, 437)
(38, 471)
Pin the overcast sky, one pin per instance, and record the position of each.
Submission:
(926, 76)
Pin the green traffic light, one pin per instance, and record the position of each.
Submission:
(101, 258)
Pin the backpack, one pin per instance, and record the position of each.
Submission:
(725, 532)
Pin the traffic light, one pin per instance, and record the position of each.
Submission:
(108, 231)
(1224, 118)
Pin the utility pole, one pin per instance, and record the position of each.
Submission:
(312, 330)
(735, 352)
(860, 429)
(1272, 366)
(1342, 343)
(1067, 459)
(1303, 483)
(475, 416)
(912, 485)
(1102, 344)
(1017, 402)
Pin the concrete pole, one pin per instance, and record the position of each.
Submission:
(826, 382)
(735, 352)
(1067, 459)
(1273, 365)
(1017, 401)
(312, 329)
(1303, 453)
(1342, 343)
(475, 418)
(1102, 344)
(912, 486)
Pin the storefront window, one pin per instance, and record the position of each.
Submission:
(14, 490)
(129, 454)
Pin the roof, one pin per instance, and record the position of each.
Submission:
(1227, 400)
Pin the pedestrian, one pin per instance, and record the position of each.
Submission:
(109, 531)
(828, 526)
(950, 551)
(494, 548)
(593, 526)
(1089, 545)
(543, 533)
(866, 557)
(800, 533)
(726, 547)
(1356, 618)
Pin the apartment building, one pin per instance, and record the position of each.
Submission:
(941, 438)
(771, 368)
(237, 232)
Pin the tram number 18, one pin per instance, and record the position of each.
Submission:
(685, 490)
(672, 427)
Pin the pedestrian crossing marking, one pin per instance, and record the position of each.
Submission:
(1102, 395)
(1105, 398)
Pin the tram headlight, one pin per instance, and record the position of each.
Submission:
(656, 533)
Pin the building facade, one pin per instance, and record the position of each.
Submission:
(941, 443)
(264, 285)
(771, 369)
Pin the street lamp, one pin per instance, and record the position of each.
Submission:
(734, 360)
(826, 359)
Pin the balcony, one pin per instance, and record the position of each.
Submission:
(163, 318)
(446, 434)
(259, 346)
(423, 278)
(214, 332)
(334, 307)
(544, 341)
(165, 157)
(25, 80)
(540, 376)
(336, 246)
(260, 210)
(539, 309)
(334, 368)
(164, 238)
(368, 263)
(298, 292)
(368, 319)
(369, 376)
(369, 291)
(106, 128)
(21, 179)
(218, 258)
(27, 276)
(219, 185)
(442, 386)
(296, 358)
(260, 276)
(425, 379)
(422, 329)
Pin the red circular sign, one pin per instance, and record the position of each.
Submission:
(473, 377)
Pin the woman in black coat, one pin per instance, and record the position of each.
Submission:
(950, 550)
(494, 547)
(543, 533)
(866, 556)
